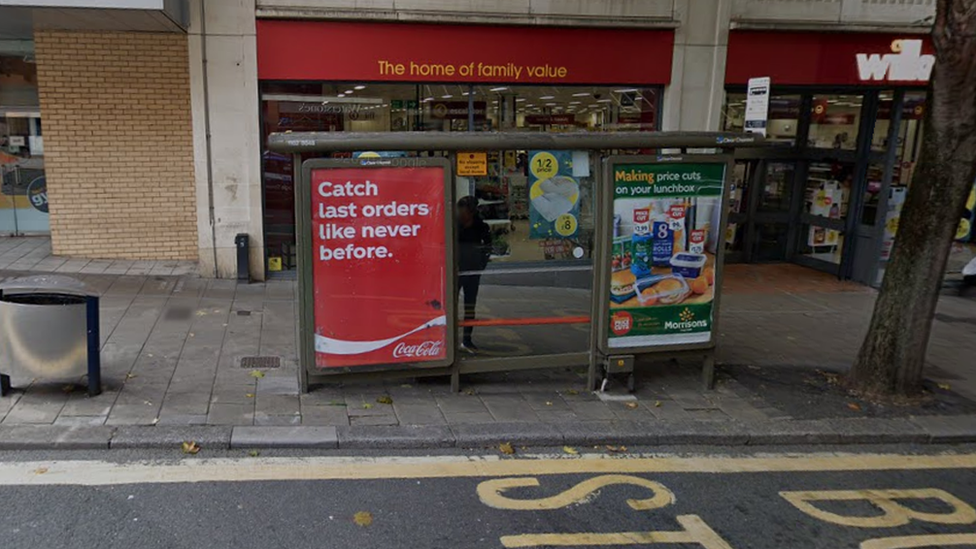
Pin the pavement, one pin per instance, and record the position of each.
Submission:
(872, 498)
(33, 253)
(174, 352)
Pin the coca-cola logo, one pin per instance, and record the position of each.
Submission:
(420, 350)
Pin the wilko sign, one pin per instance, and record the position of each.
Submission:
(905, 63)
(791, 58)
(380, 264)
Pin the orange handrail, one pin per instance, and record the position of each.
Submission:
(527, 321)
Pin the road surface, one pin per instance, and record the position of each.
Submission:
(875, 498)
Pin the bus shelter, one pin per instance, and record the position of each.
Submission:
(404, 261)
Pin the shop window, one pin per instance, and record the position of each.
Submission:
(828, 189)
(834, 121)
(778, 187)
(23, 194)
(821, 243)
(505, 195)
(784, 114)
(908, 136)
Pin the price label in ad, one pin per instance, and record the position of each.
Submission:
(544, 165)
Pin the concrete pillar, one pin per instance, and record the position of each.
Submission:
(224, 89)
(693, 101)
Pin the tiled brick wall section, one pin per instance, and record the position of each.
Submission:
(118, 144)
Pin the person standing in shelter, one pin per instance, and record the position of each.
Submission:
(474, 249)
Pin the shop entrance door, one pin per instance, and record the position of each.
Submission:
(822, 223)
(761, 202)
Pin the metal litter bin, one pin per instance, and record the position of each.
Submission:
(49, 330)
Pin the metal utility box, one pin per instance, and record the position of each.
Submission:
(49, 330)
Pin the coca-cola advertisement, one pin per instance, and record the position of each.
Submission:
(379, 255)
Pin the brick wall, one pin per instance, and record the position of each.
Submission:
(118, 144)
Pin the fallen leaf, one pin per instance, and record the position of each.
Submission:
(657, 403)
(367, 406)
(469, 392)
(257, 373)
(616, 449)
(190, 447)
(506, 448)
(570, 450)
(385, 399)
(854, 406)
(130, 376)
(944, 386)
(363, 518)
(573, 392)
(254, 453)
(40, 470)
(68, 388)
(548, 403)
(631, 405)
(249, 395)
(406, 385)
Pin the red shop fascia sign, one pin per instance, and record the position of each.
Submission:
(830, 59)
(406, 52)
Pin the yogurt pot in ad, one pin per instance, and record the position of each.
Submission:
(688, 265)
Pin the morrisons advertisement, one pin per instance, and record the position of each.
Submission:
(666, 230)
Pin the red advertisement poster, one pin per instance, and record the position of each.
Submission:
(379, 265)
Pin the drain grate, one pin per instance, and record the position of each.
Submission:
(258, 362)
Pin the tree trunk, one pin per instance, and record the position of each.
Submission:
(893, 353)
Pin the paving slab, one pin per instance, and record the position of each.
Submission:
(380, 419)
(324, 415)
(59, 437)
(493, 434)
(405, 436)
(870, 430)
(419, 414)
(167, 436)
(261, 418)
(259, 436)
(807, 431)
(961, 428)
(589, 433)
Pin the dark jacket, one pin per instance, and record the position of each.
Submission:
(474, 245)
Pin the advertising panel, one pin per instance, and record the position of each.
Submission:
(379, 265)
(554, 195)
(663, 256)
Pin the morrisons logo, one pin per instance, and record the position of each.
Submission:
(671, 325)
